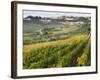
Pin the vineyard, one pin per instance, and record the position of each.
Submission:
(69, 52)
(55, 42)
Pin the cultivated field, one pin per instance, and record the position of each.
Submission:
(56, 44)
(74, 51)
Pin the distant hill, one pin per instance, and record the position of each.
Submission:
(32, 17)
(34, 23)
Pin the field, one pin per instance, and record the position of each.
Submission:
(74, 51)
(56, 45)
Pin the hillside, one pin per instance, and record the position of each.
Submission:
(72, 51)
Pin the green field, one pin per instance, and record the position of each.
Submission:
(74, 51)
(56, 45)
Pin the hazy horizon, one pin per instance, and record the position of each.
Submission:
(53, 13)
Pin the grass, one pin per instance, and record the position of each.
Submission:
(60, 53)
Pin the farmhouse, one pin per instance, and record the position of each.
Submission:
(45, 20)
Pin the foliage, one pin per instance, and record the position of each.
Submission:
(72, 51)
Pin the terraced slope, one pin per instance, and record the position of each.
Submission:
(73, 51)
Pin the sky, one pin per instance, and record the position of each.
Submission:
(52, 13)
